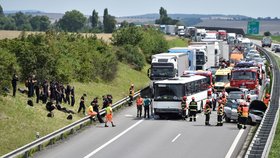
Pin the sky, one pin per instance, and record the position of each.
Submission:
(252, 8)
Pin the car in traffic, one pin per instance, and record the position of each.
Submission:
(277, 49)
(266, 41)
(231, 114)
(273, 48)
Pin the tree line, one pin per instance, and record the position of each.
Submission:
(72, 21)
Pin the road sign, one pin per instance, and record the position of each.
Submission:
(253, 27)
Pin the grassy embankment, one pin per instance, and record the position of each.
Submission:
(274, 151)
(19, 122)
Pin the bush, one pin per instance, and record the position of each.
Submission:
(63, 57)
(8, 66)
(131, 55)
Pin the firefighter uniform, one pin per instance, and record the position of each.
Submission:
(193, 109)
(184, 107)
(266, 99)
(207, 112)
(220, 113)
(243, 112)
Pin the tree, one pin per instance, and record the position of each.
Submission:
(109, 22)
(1, 11)
(164, 19)
(267, 33)
(40, 23)
(94, 19)
(22, 21)
(7, 23)
(72, 21)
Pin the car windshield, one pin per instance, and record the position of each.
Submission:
(221, 78)
(168, 92)
(234, 95)
(243, 75)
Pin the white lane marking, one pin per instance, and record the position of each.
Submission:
(235, 142)
(176, 138)
(127, 115)
(112, 140)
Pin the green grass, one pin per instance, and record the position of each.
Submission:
(178, 42)
(274, 151)
(19, 122)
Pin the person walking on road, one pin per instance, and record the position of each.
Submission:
(91, 112)
(193, 109)
(109, 115)
(139, 104)
(184, 107)
(147, 103)
(207, 112)
(243, 112)
(220, 113)
(131, 94)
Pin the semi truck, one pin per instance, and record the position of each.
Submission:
(167, 65)
(181, 31)
(191, 55)
(211, 51)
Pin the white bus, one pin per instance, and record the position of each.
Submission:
(168, 93)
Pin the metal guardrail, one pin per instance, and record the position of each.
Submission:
(24, 150)
(261, 143)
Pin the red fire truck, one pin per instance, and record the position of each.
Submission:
(245, 78)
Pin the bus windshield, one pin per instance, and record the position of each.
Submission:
(243, 75)
(169, 92)
(221, 78)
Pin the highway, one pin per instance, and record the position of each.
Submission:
(137, 138)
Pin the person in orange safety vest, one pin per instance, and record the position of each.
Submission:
(266, 99)
(243, 113)
(139, 104)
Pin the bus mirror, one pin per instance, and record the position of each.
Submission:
(149, 72)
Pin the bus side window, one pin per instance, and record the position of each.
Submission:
(196, 86)
(192, 87)
(187, 91)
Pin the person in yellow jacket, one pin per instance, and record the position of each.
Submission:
(243, 113)
(91, 112)
(131, 94)
(109, 115)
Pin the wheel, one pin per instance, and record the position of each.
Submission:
(249, 121)
(227, 119)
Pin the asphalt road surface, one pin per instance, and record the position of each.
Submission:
(151, 138)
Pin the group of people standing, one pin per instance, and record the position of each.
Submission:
(210, 104)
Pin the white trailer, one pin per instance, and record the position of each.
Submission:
(167, 65)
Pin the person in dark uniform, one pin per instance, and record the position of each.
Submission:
(72, 94)
(193, 109)
(131, 94)
(147, 103)
(14, 84)
(52, 90)
(110, 98)
(45, 92)
(30, 85)
(105, 102)
(37, 91)
(82, 104)
(95, 106)
(67, 93)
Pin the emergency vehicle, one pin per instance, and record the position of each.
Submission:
(222, 79)
(244, 78)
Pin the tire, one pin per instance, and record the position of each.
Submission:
(249, 121)
(227, 119)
